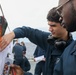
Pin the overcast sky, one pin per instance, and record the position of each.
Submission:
(27, 13)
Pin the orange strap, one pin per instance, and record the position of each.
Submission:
(13, 71)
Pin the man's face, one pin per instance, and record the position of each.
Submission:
(56, 29)
(67, 9)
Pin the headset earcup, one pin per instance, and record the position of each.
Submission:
(60, 44)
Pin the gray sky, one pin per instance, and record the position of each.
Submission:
(27, 12)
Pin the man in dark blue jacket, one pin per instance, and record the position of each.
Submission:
(40, 65)
(20, 58)
(56, 44)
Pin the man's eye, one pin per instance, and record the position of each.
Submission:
(52, 25)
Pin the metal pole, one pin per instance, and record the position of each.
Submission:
(1, 10)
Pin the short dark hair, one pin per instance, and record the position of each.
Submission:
(53, 15)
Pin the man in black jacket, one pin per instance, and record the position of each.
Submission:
(40, 64)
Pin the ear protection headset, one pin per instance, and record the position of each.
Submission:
(59, 43)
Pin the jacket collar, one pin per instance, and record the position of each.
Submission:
(73, 51)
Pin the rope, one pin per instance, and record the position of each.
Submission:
(1, 10)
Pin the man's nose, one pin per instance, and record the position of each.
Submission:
(50, 28)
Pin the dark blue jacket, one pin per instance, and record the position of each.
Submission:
(40, 38)
(67, 63)
(39, 52)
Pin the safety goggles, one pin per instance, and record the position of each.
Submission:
(59, 8)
